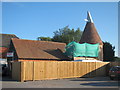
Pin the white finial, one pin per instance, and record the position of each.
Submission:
(89, 18)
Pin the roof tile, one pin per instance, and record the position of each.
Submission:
(39, 49)
(90, 35)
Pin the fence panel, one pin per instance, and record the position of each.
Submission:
(101, 68)
(61, 69)
(70, 69)
(66, 68)
(16, 70)
(83, 69)
(29, 70)
(55, 70)
(75, 69)
(92, 69)
(86, 71)
(47, 70)
(43, 70)
(39, 70)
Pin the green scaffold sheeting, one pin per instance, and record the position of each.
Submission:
(74, 49)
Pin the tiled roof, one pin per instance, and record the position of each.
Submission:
(5, 43)
(39, 49)
(90, 35)
(3, 52)
(5, 39)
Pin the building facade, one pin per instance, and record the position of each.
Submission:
(91, 36)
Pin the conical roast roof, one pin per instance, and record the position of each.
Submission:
(90, 34)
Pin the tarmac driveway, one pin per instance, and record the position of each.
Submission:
(96, 82)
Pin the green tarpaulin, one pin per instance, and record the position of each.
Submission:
(74, 49)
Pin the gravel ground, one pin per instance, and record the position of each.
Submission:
(96, 82)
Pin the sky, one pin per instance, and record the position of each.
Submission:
(29, 20)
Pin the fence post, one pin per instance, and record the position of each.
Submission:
(22, 71)
(33, 72)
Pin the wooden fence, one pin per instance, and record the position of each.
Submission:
(43, 70)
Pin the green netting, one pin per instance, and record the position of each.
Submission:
(79, 49)
(74, 49)
(70, 49)
(92, 50)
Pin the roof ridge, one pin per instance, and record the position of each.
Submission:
(38, 41)
(7, 34)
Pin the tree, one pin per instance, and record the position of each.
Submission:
(44, 38)
(67, 35)
(108, 52)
